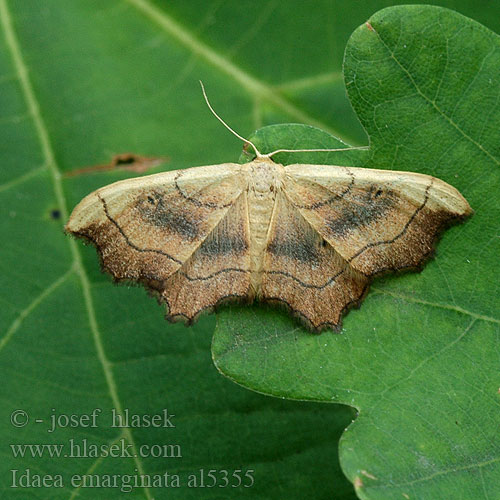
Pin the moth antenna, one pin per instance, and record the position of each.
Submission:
(257, 152)
(313, 150)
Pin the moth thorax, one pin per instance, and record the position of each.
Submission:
(264, 182)
(264, 177)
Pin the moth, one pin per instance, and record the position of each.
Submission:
(311, 237)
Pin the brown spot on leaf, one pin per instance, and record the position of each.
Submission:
(368, 475)
(123, 161)
(358, 483)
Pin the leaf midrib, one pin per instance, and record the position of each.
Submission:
(48, 153)
(258, 88)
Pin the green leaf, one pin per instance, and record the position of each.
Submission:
(79, 82)
(420, 358)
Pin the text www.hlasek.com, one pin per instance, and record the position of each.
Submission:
(85, 449)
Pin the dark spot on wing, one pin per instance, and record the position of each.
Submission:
(155, 211)
(225, 245)
(361, 209)
(300, 247)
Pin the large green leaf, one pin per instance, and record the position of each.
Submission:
(79, 82)
(420, 359)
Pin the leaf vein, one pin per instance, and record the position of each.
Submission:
(431, 357)
(22, 178)
(434, 105)
(441, 306)
(46, 292)
(48, 152)
(248, 82)
(75, 493)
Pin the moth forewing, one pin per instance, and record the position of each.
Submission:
(307, 236)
